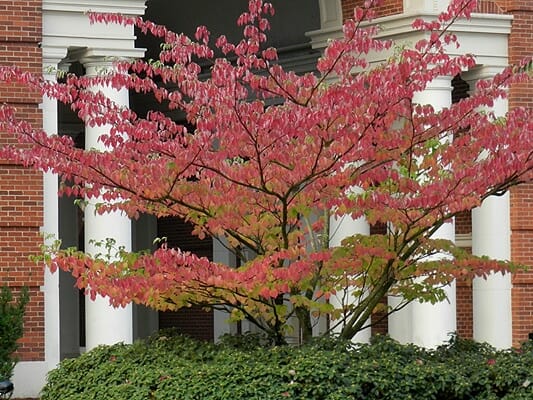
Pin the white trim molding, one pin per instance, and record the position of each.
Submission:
(126, 7)
(484, 35)
(66, 27)
(463, 240)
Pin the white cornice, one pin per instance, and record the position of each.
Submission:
(400, 24)
(100, 55)
(484, 35)
(128, 7)
(52, 55)
(66, 28)
(321, 37)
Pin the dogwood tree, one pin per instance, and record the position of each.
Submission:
(263, 158)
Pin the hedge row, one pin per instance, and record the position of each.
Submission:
(11, 328)
(175, 367)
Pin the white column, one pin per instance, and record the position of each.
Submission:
(341, 228)
(400, 322)
(491, 236)
(438, 93)
(330, 14)
(105, 324)
(221, 323)
(51, 227)
(29, 376)
(426, 324)
(432, 323)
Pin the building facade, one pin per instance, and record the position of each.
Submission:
(43, 35)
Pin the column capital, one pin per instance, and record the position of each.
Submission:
(440, 83)
(104, 58)
(500, 106)
(52, 57)
(482, 72)
(97, 66)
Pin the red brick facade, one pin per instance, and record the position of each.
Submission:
(520, 46)
(522, 251)
(389, 7)
(21, 199)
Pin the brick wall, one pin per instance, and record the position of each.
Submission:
(489, 7)
(389, 7)
(520, 46)
(380, 322)
(463, 226)
(465, 316)
(522, 252)
(463, 297)
(21, 208)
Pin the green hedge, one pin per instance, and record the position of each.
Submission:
(179, 368)
(11, 328)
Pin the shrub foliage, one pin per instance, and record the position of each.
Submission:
(11, 328)
(175, 367)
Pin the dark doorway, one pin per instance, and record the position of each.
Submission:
(193, 321)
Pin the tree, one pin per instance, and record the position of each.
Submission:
(264, 157)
